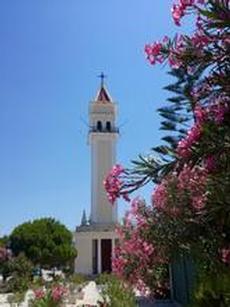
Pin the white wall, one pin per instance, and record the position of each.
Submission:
(83, 244)
(103, 153)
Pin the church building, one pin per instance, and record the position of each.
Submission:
(95, 239)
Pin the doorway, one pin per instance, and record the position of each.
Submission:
(106, 255)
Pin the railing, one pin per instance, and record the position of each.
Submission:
(104, 130)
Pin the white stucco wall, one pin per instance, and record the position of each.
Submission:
(103, 153)
(83, 244)
(102, 112)
(103, 157)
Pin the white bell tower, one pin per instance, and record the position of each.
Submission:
(95, 239)
(102, 138)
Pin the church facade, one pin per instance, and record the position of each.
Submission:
(95, 239)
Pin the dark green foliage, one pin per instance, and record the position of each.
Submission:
(45, 242)
(213, 290)
(177, 117)
(21, 266)
(103, 278)
(78, 279)
(4, 241)
(20, 271)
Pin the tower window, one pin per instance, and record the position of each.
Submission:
(108, 126)
(99, 126)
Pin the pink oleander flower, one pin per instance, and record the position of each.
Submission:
(184, 146)
(200, 114)
(159, 196)
(177, 13)
(210, 163)
(225, 255)
(180, 9)
(200, 40)
(58, 293)
(39, 294)
(198, 202)
(193, 182)
(135, 253)
(153, 52)
(113, 183)
(188, 188)
(173, 61)
(215, 111)
(158, 51)
(5, 254)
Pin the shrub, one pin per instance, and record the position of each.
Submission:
(78, 279)
(103, 278)
(116, 292)
(20, 271)
(191, 168)
(213, 290)
(16, 298)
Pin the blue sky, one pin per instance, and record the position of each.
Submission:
(51, 52)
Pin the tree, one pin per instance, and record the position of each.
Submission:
(45, 242)
(4, 241)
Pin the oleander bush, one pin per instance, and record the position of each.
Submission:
(190, 208)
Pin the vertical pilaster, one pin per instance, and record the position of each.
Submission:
(99, 256)
(113, 246)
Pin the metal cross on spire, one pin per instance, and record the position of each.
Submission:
(102, 76)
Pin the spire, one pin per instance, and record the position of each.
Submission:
(83, 219)
(103, 94)
(102, 76)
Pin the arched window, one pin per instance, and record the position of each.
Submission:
(108, 126)
(99, 126)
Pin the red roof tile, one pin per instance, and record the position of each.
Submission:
(103, 95)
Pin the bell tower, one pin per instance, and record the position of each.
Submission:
(103, 136)
(95, 240)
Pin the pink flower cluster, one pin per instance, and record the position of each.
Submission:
(210, 163)
(5, 254)
(179, 9)
(113, 183)
(193, 182)
(200, 40)
(134, 254)
(39, 294)
(154, 52)
(58, 293)
(132, 258)
(225, 255)
(214, 112)
(188, 188)
(138, 212)
(184, 146)
(157, 52)
(160, 195)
